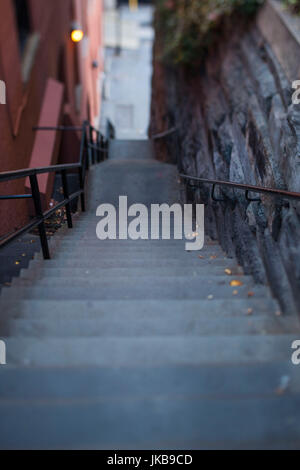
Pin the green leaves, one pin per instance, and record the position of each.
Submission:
(294, 5)
(188, 27)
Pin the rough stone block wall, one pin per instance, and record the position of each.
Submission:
(237, 122)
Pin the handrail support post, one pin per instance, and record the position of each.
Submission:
(81, 184)
(39, 213)
(251, 199)
(213, 195)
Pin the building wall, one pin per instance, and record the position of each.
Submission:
(50, 54)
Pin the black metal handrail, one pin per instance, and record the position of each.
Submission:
(110, 130)
(248, 188)
(161, 135)
(92, 150)
(171, 137)
(24, 173)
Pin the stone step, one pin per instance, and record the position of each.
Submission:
(133, 262)
(12, 262)
(116, 309)
(90, 234)
(137, 246)
(212, 381)
(129, 256)
(91, 237)
(149, 351)
(98, 273)
(134, 245)
(88, 227)
(154, 325)
(131, 149)
(158, 422)
(146, 253)
(150, 281)
(19, 251)
(134, 289)
(6, 274)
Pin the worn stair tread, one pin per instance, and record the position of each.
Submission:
(91, 237)
(89, 234)
(16, 308)
(105, 255)
(91, 383)
(135, 290)
(154, 423)
(119, 351)
(156, 325)
(130, 149)
(39, 273)
(118, 262)
(10, 261)
(136, 280)
(131, 254)
(97, 247)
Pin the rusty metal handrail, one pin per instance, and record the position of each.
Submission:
(246, 187)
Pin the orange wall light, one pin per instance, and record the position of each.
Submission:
(77, 33)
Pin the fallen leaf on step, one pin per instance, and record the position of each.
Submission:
(210, 297)
(201, 257)
(236, 283)
(17, 263)
(250, 294)
(213, 257)
(228, 271)
(283, 385)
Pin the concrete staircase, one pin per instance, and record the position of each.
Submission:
(139, 344)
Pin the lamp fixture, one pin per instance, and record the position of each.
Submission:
(77, 33)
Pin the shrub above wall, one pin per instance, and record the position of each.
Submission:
(294, 5)
(189, 28)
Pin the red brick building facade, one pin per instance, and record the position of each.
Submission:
(49, 80)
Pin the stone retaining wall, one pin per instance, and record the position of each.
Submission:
(236, 122)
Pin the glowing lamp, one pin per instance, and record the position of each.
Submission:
(76, 33)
